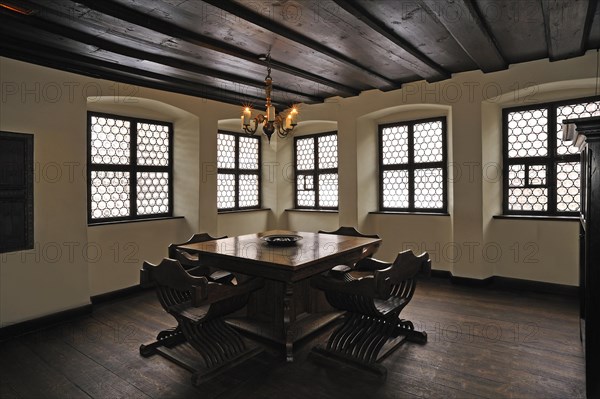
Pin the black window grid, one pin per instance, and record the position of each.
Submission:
(550, 161)
(132, 168)
(236, 171)
(411, 167)
(314, 173)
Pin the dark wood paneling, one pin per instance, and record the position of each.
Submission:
(567, 26)
(55, 58)
(594, 37)
(138, 60)
(410, 20)
(319, 49)
(16, 191)
(151, 20)
(312, 39)
(404, 52)
(469, 31)
(517, 26)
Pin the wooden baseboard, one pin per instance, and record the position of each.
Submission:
(515, 284)
(40, 323)
(497, 282)
(118, 294)
(509, 284)
(17, 329)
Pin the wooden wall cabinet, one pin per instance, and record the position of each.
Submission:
(586, 136)
(16, 191)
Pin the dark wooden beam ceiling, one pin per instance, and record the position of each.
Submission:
(594, 35)
(151, 22)
(319, 49)
(567, 25)
(415, 60)
(461, 19)
(29, 51)
(244, 85)
(279, 29)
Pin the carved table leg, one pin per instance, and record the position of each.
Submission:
(289, 318)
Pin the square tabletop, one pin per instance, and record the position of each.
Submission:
(313, 249)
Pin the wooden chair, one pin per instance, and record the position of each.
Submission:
(351, 231)
(199, 306)
(373, 293)
(192, 263)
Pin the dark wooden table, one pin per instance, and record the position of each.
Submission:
(287, 309)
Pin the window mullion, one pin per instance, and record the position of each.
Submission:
(316, 171)
(551, 162)
(133, 169)
(411, 167)
(236, 171)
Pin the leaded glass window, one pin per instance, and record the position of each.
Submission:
(316, 167)
(129, 168)
(541, 172)
(238, 175)
(412, 166)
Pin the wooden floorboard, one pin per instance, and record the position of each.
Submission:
(483, 343)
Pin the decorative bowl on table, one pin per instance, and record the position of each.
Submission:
(281, 240)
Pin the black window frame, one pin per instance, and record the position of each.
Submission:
(411, 166)
(237, 172)
(315, 172)
(550, 160)
(132, 168)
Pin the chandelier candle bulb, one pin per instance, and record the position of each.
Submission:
(293, 117)
(270, 113)
(288, 121)
(246, 116)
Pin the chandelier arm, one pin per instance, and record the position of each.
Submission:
(257, 121)
(281, 130)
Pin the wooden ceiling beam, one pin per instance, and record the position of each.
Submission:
(462, 20)
(130, 52)
(28, 51)
(416, 61)
(275, 27)
(567, 25)
(150, 22)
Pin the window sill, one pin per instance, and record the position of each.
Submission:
(135, 221)
(409, 213)
(312, 210)
(533, 217)
(242, 210)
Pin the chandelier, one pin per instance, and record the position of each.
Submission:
(272, 121)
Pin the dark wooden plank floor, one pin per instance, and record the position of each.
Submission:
(483, 343)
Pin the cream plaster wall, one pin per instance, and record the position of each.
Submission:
(52, 105)
(541, 250)
(54, 275)
(315, 122)
(72, 261)
(238, 223)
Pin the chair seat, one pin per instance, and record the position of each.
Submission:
(189, 256)
(388, 306)
(373, 293)
(199, 305)
(193, 314)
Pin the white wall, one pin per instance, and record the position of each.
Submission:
(52, 105)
